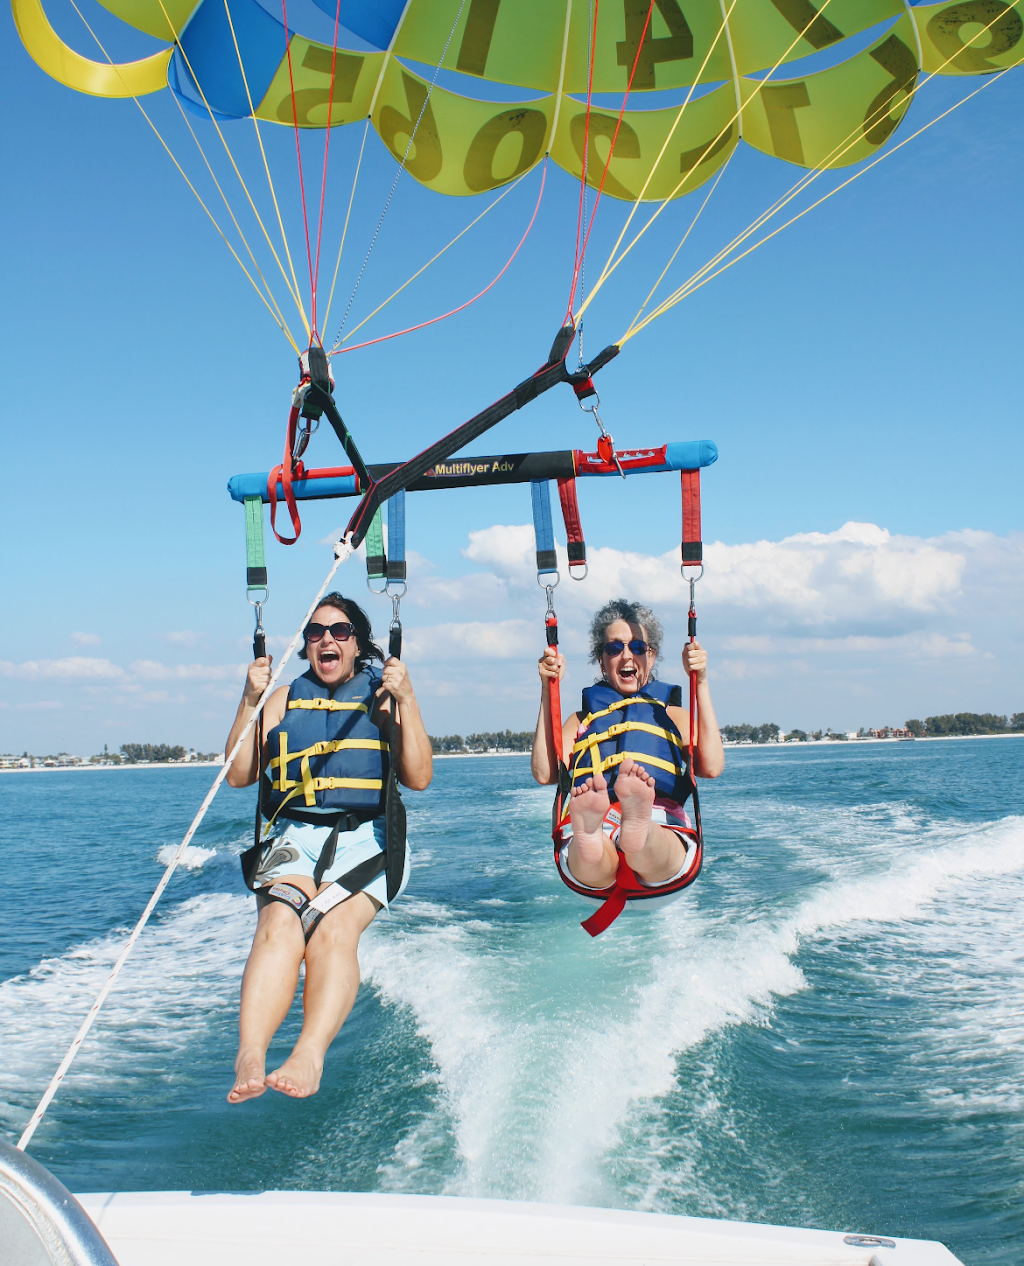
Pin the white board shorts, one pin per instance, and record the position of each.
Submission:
(294, 849)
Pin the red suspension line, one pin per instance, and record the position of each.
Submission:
(444, 316)
(583, 173)
(611, 148)
(323, 181)
(298, 153)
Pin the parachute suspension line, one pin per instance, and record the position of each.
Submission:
(294, 288)
(323, 180)
(692, 225)
(654, 167)
(613, 261)
(276, 312)
(433, 259)
(710, 269)
(342, 550)
(398, 174)
(615, 135)
(271, 304)
(348, 216)
(577, 262)
(340, 351)
(687, 289)
(298, 156)
(591, 12)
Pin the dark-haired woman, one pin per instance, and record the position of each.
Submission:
(378, 706)
(646, 826)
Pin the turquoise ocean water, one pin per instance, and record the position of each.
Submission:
(827, 1030)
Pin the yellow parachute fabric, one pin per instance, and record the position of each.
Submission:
(732, 50)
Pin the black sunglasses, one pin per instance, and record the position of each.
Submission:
(638, 646)
(341, 631)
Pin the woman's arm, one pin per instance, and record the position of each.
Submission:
(410, 744)
(245, 769)
(708, 754)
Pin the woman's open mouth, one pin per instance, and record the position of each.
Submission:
(328, 658)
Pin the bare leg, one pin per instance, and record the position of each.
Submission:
(332, 979)
(653, 852)
(268, 990)
(592, 857)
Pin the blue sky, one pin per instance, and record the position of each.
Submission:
(860, 368)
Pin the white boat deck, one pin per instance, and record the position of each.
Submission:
(288, 1228)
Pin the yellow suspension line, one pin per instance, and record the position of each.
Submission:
(661, 154)
(184, 176)
(277, 310)
(344, 231)
(687, 289)
(682, 243)
(245, 189)
(611, 266)
(266, 165)
(838, 151)
(490, 207)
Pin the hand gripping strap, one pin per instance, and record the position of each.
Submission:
(693, 551)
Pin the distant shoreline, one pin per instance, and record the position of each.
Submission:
(74, 769)
(858, 742)
(731, 747)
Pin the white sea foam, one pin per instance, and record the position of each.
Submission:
(548, 1052)
(193, 858)
(183, 970)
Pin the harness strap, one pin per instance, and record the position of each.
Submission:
(284, 473)
(575, 544)
(396, 536)
(376, 559)
(544, 532)
(623, 727)
(255, 555)
(692, 547)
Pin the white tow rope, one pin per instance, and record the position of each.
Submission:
(342, 551)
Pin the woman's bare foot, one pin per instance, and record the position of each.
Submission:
(298, 1076)
(587, 808)
(249, 1078)
(635, 788)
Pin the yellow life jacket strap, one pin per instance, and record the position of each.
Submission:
(591, 717)
(623, 727)
(641, 758)
(322, 749)
(327, 705)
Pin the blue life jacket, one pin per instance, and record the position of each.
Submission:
(619, 727)
(327, 757)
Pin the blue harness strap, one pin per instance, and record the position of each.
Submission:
(396, 536)
(543, 529)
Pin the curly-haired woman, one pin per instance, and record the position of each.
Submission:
(632, 810)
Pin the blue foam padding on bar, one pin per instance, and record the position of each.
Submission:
(255, 485)
(540, 493)
(690, 455)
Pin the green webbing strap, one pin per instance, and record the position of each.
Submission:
(376, 562)
(255, 559)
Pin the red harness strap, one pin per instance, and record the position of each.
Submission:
(693, 551)
(575, 544)
(285, 474)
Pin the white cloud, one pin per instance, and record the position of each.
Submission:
(153, 670)
(185, 637)
(86, 639)
(72, 668)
